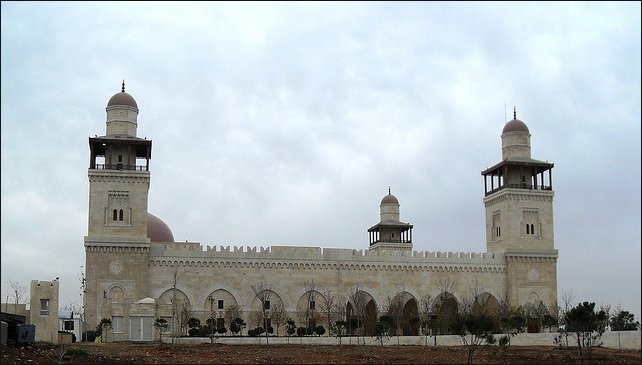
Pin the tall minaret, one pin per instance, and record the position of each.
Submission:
(519, 216)
(116, 245)
(390, 233)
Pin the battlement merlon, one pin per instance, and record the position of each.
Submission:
(196, 251)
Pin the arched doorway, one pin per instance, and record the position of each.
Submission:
(221, 308)
(174, 306)
(446, 310)
(361, 314)
(410, 318)
(403, 312)
(486, 304)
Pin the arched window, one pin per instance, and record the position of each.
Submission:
(115, 214)
(528, 229)
(120, 215)
(532, 229)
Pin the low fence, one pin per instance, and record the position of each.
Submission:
(611, 339)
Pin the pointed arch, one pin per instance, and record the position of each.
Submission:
(446, 308)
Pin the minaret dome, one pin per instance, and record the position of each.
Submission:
(516, 139)
(389, 208)
(122, 114)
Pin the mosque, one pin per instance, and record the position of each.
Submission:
(136, 272)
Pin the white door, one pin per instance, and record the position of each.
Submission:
(141, 328)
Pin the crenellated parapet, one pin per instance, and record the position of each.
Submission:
(193, 254)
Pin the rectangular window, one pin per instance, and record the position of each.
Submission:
(117, 324)
(266, 304)
(220, 304)
(312, 304)
(69, 325)
(496, 231)
(44, 307)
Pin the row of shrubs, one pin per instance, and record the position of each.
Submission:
(206, 331)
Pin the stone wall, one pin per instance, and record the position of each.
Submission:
(611, 339)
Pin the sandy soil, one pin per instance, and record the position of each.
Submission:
(131, 353)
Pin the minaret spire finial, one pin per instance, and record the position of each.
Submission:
(389, 190)
(123, 85)
(514, 112)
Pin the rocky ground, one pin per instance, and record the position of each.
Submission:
(131, 353)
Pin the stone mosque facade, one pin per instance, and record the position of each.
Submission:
(136, 272)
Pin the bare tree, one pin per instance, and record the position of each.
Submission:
(262, 293)
(160, 324)
(19, 291)
(394, 309)
(279, 316)
(174, 306)
(511, 319)
(567, 298)
(328, 307)
(310, 295)
(342, 320)
(232, 312)
(473, 324)
(255, 319)
(446, 297)
(359, 300)
(184, 316)
(427, 316)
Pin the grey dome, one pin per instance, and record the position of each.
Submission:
(389, 199)
(515, 125)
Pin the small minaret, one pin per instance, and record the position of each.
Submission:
(390, 233)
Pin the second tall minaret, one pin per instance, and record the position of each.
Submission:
(518, 195)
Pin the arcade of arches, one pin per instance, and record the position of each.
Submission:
(361, 311)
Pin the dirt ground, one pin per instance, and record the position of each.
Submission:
(131, 353)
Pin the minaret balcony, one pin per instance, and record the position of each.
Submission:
(391, 241)
(519, 186)
(120, 166)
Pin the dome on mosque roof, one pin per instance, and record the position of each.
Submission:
(157, 230)
(389, 199)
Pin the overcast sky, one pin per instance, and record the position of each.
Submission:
(285, 124)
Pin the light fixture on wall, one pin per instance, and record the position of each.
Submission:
(104, 293)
